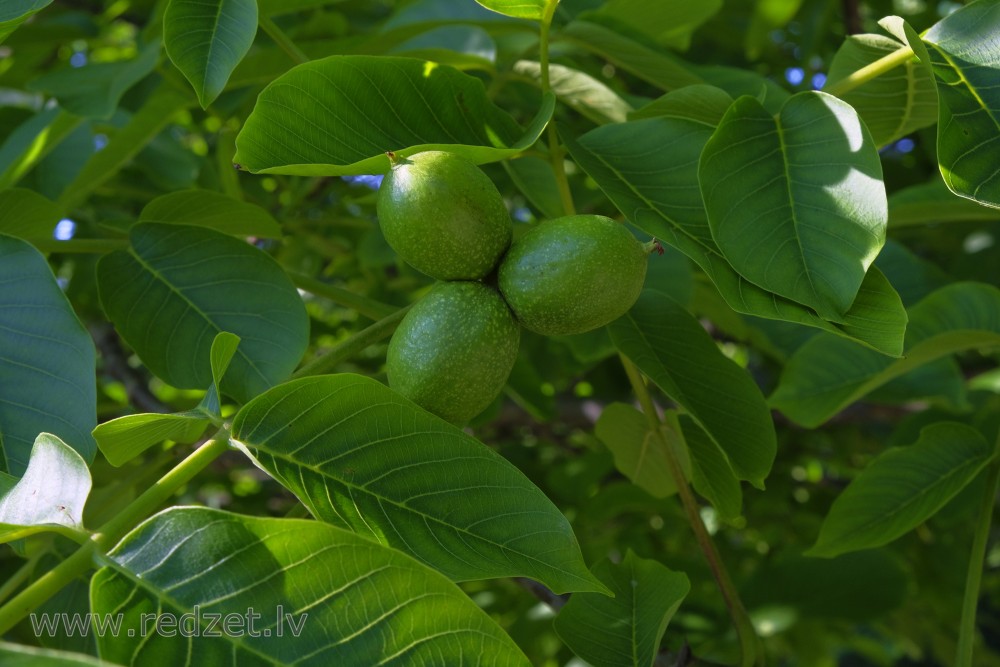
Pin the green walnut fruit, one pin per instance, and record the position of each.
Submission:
(443, 216)
(454, 350)
(573, 274)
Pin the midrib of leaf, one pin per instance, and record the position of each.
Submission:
(158, 276)
(211, 48)
(968, 85)
(400, 505)
(791, 199)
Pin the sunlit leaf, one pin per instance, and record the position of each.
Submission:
(319, 595)
(360, 456)
(26, 214)
(522, 9)
(339, 115)
(638, 451)
(902, 488)
(19, 655)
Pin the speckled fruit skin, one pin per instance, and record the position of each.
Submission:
(443, 216)
(573, 274)
(454, 350)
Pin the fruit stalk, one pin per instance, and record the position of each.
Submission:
(352, 345)
(751, 649)
(555, 150)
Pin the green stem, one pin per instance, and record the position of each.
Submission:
(110, 533)
(22, 574)
(368, 307)
(351, 346)
(870, 71)
(967, 629)
(80, 246)
(750, 646)
(555, 150)
(282, 40)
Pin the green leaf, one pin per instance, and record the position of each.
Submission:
(930, 203)
(32, 140)
(913, 276)
(178, 286)
(963, 53)
(892, 105)
(700, 103)
(339, 599)
(624, 630)
(633, 161)
(17, 655)
(47, 360)
(163, 104)
(587, 95)
(711, 474)
(855, 587)
(15, 12)
(651, 65)
(124, 438)
(206, 39)
(94, 90)
(902, 488)
(27, 214)
(827, 374)
(676, 353)
(520, 9)
(534, 177)
(212, 210)
(796, 202)
(339, 115)
(360, 456)
(639, 453)
(51, 494)
(667, 22)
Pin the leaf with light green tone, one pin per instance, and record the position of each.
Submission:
(590, 97)
(796, 202)
(18, 655)
(711, 474)
(858, 586)
(668, 22)
(827, 374)
(206, 39)
(124, 438)
(27, 214)
(675, 352)
(224, 347)
(339, 115)
(892, 105)
(47, 360)
(31, 141)
(931, 203)
(966, 62)
(625, 630)
(93, 91)
(534, 177)
(655, 67)
(700, 103)
(649, 170)
(360, 456)
(902, 488)
(160, 108)
(461, 46)
(49, 496)
(212, 210)
(638, 453)
(340, 599)
(520, 9)
(15, 12)
(178, 286)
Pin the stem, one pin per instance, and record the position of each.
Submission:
(967, 629)
(870, 71)
(368, 307)
(22, 574)
(80, 246)
(351, 346)
(282, 40)
(749, 643)
(555, 151)
(110, 533)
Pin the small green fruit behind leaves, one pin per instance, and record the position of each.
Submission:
(443, 216)
(454, 350)
(573, 274)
